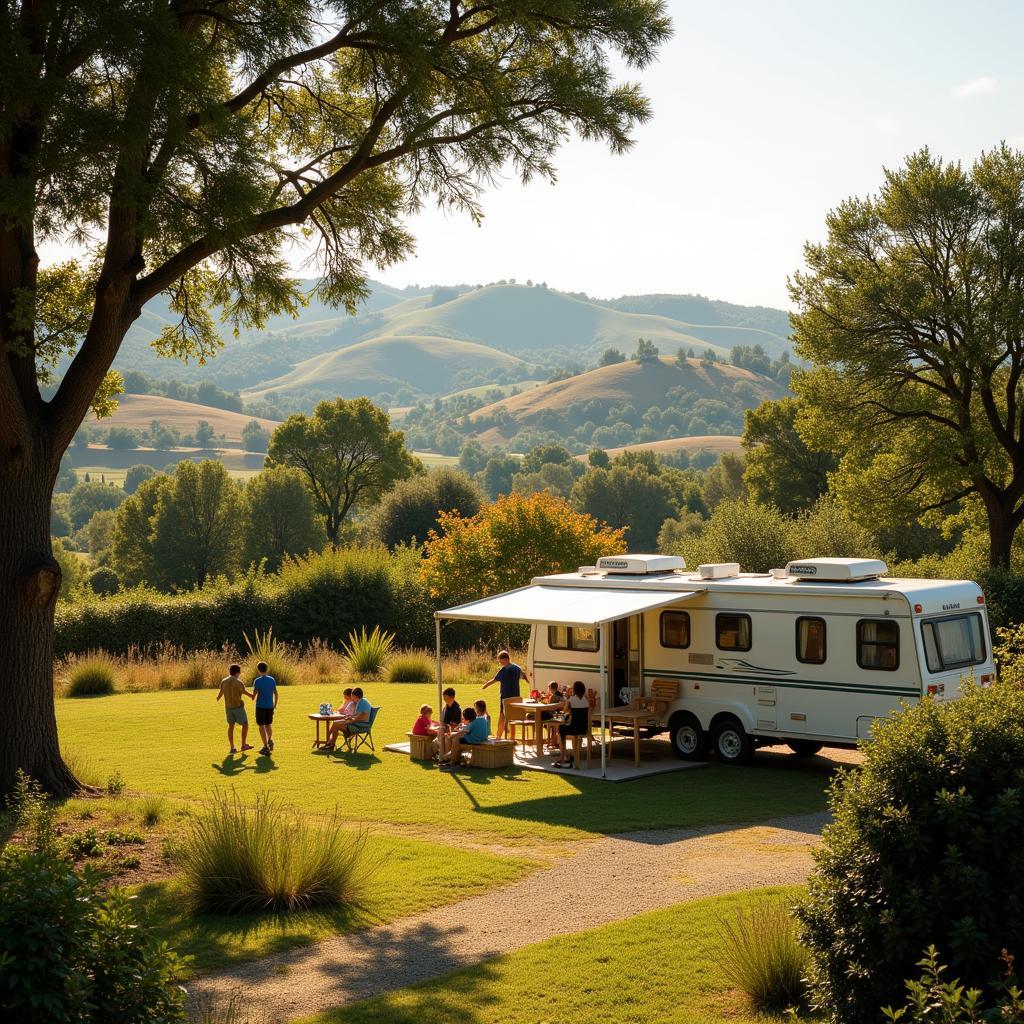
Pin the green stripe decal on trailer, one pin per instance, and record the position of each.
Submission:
(794, 684)
(562, 665)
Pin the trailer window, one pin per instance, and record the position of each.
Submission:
(954, 642)
(574, 638)
(675, 629)
(878, 644)
(810, 640)
(732, 632)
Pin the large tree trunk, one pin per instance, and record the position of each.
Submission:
(1001, 528)
(29, 581)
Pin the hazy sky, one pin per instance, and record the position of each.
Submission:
(766, 114)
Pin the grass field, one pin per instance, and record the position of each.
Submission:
(174, 743)
(663, 966)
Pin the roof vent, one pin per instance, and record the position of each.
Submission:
(639, 565)
(837, 570)
(718, 570)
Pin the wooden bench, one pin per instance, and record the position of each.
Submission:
(492, 754)
(663, 693)
(421, 748)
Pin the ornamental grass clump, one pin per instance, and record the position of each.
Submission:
(367, 653)
(92, 676)
(762, 957)
(265, 857)
(411, 667)
(264, 648)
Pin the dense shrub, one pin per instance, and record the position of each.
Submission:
(241, 858)
(927, 847)
(367, 652)
(71, 951)
(761, 956)
(1004, 595)
(324, 596)
(93, 676)
(411, 667)
(104, 581)
(409, 511)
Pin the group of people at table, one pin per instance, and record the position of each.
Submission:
(461, 727)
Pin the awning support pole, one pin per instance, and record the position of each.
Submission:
(437, 653)
(603, 676)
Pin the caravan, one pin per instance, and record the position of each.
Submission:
(728, 661)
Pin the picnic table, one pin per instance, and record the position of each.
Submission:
(537, 708)
(323, 718)
(630, 716)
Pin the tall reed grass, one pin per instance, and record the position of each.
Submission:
(411, 667)
(264, 857)
(367, 653)
(762, 957)
(94, 675)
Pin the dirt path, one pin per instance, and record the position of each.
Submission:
(615, 877)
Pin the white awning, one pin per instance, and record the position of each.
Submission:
(563, 606)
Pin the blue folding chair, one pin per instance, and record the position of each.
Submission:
(364, 737)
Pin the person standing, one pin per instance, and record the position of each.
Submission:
(507, 677)
(265, 688)
(232, 689)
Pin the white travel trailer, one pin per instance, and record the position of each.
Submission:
(809, 655)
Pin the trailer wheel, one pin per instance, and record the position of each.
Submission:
(732, 743)
(689, 741)
(804, 748)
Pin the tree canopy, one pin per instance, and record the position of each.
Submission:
(912, 314)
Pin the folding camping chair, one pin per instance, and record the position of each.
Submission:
(355, 740)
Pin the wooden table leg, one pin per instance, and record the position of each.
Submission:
(636, 743)
(538, 733)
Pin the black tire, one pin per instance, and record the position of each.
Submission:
(689, 741)
(732, 743)
(804, 748)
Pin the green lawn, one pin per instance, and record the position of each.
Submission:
(174, 743)
(662, 966)
(394, 889)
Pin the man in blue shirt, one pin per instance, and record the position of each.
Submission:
(359, 722)
(475, 729)
(507, 677)
(265, 688)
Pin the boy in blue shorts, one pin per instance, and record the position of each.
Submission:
(265, 689)
(475, 729)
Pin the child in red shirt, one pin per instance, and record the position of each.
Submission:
(425, 725)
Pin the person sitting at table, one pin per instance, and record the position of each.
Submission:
(348, 703)
(359, 721)
(451, 719)
(473, 730)
(555, 697)
(425, 725)
(480, 707)
(578, 725)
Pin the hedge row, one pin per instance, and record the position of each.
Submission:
(323, 597)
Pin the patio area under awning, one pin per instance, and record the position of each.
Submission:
(553, 605)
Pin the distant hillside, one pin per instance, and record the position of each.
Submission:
(717, 444)
(692, 390)
(430, 365)
(139, 411)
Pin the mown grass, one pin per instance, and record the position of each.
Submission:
(663, 966)
(174, 743)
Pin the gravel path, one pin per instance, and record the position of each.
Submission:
(617, 876)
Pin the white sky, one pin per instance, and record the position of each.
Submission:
(767, 113)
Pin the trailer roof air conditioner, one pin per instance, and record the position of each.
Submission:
(837, 570)
(639, 565)
(718, 570)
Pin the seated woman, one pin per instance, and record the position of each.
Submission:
(425, 725)
(358, 721)
(348, 703)
(579, 722)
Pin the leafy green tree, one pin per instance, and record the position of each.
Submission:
(66, 477)
(543, 454)
(99, 534)
(410, 510)
(724, 480)
(646, 351)
(611, 356)
(348, 454)
(496, 477)
(553, 477)
(196, 531)
(122, 438)
(472, 457)
(280, 517)
(132, 535)
(780, 469)
(757, 536)
(135, 475)
(163, 437)
(681, 357)
(599, 459)
(626, 497)
(86, 499)
(60, 518)
(911, 313)
(198, 142)
(255, 438)
(204, 434)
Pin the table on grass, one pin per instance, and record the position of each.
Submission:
(317, 743)
(630, 716)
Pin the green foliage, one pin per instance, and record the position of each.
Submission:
(263, 647)
(496, 476)
(66, 476)
(60, 519)
(115, 784)
(724, 481)
(133, 535)
(94, 676)
(255, 438)
(599, 459)
(762, 957)
(86, 499)
(757, 536)
(411, 667)
(279, 518)
(927, 847)
(368, 652)
(239, 858)
(627, 497)
(348, 454)
(104, 581)
(781, 470)
(933, 1000)
(152, 810)
(610, 357)
(409, 511)
(122, 438)
(71, 950)
(1004, 596)
(914, 386)
(646, 351)
(135, 476)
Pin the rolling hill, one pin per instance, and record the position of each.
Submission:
(139, 411)
(717, 444)
(427, 364)
(641, 385)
